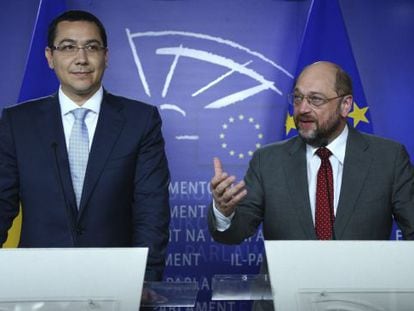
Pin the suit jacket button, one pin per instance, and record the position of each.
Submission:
(79, 230)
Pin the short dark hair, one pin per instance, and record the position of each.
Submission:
(74, 16)
(343, 83)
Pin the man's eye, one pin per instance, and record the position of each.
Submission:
(92, 47)
(68, 48)
(315, 99)
(298, 97)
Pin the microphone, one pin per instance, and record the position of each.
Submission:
(70, 219)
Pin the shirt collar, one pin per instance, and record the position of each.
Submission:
(93, 103)
(337, 146)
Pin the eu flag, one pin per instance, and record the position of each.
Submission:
(325, 39)
(38, 79)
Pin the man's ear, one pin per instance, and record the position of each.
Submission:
(106, 57)
(49, 57)
(346, 105)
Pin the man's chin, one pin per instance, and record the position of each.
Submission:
(85, 90)
(312, 138)
(307, 134)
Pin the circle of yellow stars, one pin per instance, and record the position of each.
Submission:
(231, 122)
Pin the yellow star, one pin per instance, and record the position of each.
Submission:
(289, 124)
(358, 114)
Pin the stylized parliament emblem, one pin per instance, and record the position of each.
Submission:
(201, 77)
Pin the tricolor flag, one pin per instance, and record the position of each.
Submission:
(38, 80)
(326, 39)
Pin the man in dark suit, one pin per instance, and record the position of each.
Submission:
(98, 181)
(373, 179)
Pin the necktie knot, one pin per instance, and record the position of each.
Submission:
(323, 153)
(79, 113)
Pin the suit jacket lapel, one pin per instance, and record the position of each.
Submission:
(296, 172)
(49, 122)
(50, 128)
(108, 129)
(356, 166)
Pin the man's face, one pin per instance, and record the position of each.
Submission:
(320, 125)
(80, 71)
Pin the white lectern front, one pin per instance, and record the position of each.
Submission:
(341, 275)
(72, 279)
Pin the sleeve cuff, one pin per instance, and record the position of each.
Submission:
(222, 222)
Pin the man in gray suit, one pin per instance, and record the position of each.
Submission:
(373, 179)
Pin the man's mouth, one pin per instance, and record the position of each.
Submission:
(305, 123)
(81, 73)
(306, 120)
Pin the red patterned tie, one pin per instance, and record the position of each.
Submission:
(324, 197)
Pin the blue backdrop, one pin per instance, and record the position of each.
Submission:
(219, 72)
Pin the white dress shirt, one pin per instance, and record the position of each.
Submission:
(91, 119)
(313, 162)
(337, 147)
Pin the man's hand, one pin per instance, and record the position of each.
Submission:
(226, 195)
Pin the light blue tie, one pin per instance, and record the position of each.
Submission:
(78, 151)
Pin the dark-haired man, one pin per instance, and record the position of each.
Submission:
(88, 167)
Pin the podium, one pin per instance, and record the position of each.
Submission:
(328, 276)
(81, 279)
(57, 279)
(341, 275)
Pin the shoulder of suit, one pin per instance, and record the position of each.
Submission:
(378, 141)
(128, 103)
(279, 148)
(31, 104)
(280, 145)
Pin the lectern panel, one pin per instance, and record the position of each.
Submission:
(341, 275)
(106, 279)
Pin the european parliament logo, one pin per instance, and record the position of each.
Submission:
(217, 97)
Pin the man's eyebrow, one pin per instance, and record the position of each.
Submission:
(310, 93)
(72, 41)
(66, 41)
(316, 93)
(93, 41)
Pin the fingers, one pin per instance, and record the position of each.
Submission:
(223, 184)
(227, 202)
(218, 168)
(219, 175)
(228, 208)
(226, 194)
(220, 180)
(232, 195)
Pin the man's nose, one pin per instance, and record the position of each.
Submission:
(81, 56)
(303, 106)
